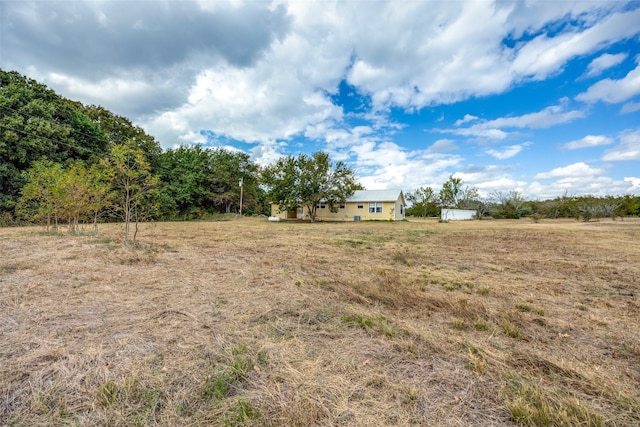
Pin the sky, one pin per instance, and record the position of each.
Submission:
(540, 97)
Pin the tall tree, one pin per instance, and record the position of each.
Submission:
(183, 173)
(120, 130)
(35, 123)
(305, 181)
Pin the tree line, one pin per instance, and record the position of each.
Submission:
(427, 202)
(62, 162)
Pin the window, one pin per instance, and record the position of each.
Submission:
(401, 210)
(360, 206)
(343, 206)
(321, 205)
(375, 207)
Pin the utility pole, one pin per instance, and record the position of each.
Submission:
(240, 197)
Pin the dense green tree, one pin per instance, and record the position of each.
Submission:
(120, 130)
(197, 181)
(305, 181)
(423, 202)
(228, 171)
(35, 123)
(185, 193)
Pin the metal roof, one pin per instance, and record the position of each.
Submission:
(375, 196)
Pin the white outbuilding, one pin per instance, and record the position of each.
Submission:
(457, 214)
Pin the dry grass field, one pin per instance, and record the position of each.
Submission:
(247, 322)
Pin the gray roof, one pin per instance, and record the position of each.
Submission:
(375, 196)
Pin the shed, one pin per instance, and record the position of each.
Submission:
(457, 214)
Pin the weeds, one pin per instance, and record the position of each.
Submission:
(530, 403)
(510, 329)
(458, 324)
(136, 402)
(217, 386)
(240, 413)
(379, 324)
(477, 359)
(483, 290)
(481, 325)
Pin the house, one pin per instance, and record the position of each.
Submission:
(363, 205)
(457, 214)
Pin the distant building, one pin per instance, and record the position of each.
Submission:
(457, 214)
(363, 205)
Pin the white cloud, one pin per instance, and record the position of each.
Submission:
(576, 170)
(589, 141)
(627, 149)
(550, 116)
(465, 119)
(592, 185)
(614, 91)
(544, 55)
(635, 183)
(494, 129)
(442, 145)
(383, 165)
(598, 186)
(630, 107)
(604, 62)
(477, 132)
(506, 152)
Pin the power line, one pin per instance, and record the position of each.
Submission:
(55, 141)
(30, 116)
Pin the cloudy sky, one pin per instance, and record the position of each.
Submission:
(542, 97)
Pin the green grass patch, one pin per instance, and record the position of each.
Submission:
(378, 324)
(138, 403)
(532, 404)
(241, 413)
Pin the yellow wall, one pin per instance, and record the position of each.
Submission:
(390, 211)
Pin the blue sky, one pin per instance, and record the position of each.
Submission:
(540, 97)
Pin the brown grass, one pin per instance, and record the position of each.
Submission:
(248, 322)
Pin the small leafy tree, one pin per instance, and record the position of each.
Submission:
(133, 184)
(451, 192)
(71, 194)
(305, 181)
(422, 200)
(453, 195)
(39, 200)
